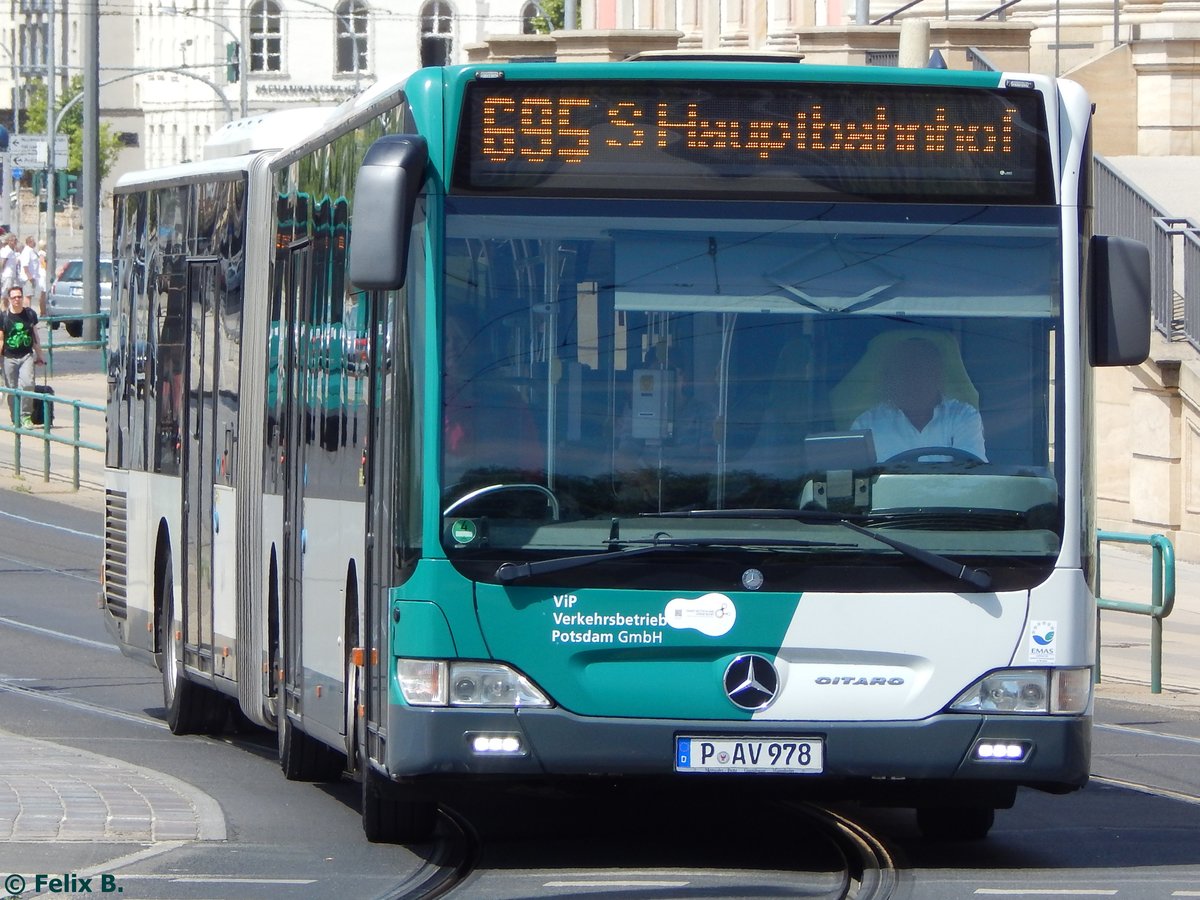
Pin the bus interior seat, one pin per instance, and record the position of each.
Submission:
(860, 389)
(1015, 425)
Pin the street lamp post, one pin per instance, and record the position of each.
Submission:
(91, 169)
(238, 39)
(51, 131)
(16, 129)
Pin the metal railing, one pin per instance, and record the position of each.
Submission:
(999, 12)
(1124, 210)
(1162, 595)
(979, 61)
(43, 432)
(1191, 286)
(51, 321)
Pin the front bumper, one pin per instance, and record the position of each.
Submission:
(431, 742)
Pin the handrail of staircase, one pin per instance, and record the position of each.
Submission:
(999, 11)
(883, 20)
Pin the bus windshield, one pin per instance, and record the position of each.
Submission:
(608, 365)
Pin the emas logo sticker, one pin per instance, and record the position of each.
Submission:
(1042, 641)
(712, 614)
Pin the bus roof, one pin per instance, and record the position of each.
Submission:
(272, 130)
(184, 172)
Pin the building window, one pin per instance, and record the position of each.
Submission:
(437, 33)
(352, 37)
(531, 18)
(266, 38)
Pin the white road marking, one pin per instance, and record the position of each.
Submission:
(6, 684)
(62, 528)
(1046, 892)
(1142, 732)
(59, 635)
(129, 859)
(616, 884)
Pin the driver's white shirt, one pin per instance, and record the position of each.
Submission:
(953, 424)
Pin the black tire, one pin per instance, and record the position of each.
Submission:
(351, 687)
(390, 815)
(955, 823)
(301, 756)
(191, 708)
(74, 329)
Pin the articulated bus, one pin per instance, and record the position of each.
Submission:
(690, 421)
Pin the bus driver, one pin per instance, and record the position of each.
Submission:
(914, 412)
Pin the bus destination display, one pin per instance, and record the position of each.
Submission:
(619, 138)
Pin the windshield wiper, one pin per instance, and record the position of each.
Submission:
(977, 578)
(510, 571)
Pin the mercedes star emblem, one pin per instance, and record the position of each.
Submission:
(751, 681)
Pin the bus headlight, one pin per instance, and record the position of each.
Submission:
(429, 682)
(1026, 691)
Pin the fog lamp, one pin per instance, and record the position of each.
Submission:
(993, 750)
(502, 744)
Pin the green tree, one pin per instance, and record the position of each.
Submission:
(71, 125)
(551, 18)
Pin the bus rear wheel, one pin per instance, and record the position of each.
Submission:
(301, 756)
(389, 815)
(955, 823)
(191, 708)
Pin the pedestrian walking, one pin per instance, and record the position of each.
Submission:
(43, 283)
(28, 272)
(20, 350)
(10, 265)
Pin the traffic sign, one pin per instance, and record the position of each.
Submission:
(29, 151)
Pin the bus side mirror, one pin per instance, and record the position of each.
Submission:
(1120, 301)
(385, 194)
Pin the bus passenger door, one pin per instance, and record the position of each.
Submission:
(199, 459)
(297, 429)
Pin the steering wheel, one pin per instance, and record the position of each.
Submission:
(915, 454)
(551, 500)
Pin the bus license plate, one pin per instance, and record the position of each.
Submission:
(724, 754)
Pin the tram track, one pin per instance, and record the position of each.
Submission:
(862, 866)
(870, 871)
(1152, 791)
(12, 564)
(454, 859)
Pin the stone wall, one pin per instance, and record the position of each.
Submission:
(1148, 447)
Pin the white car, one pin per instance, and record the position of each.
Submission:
(66, 294)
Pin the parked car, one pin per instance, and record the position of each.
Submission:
(66, 294)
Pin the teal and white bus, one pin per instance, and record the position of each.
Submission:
(547, 421)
